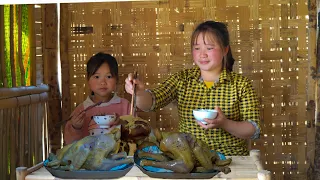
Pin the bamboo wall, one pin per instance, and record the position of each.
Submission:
(23, 128)
(272, 41)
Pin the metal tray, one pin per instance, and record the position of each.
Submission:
(84, 174)
(172, 175)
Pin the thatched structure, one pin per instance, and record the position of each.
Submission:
(274, 42)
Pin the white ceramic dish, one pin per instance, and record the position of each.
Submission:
(201, 114)
(103, 121)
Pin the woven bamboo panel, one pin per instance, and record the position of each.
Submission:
(38, 40)
(269, 40)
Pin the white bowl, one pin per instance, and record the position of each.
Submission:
(104, 121)
(201, 114)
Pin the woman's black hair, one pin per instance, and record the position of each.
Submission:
(220, 32)
(97, 60)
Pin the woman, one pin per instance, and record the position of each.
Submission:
(211, 84)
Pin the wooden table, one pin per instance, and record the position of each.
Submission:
(242, 168)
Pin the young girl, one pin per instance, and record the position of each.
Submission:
(102, 75)
(209, 85)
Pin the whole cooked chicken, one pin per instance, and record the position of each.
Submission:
(183, 153)
(91, 153)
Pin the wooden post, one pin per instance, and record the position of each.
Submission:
(64, 34)
(255, 153)
(3, 74)
(50, 52)
(21, 173)
(264, 175)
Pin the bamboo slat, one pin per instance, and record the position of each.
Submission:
(46, 138)
(32, 133)
(21, 91)
(37, 122)
(13, 149)
(2, 142)
(22, 122)
(16, 138)
(12, 46)
(23, 100)
(6, 139)
(3, 73)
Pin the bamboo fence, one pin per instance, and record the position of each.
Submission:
(24, 110)
(272, 40)
(23, 128)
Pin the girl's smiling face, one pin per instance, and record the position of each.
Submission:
(102, 83)
(207, 53)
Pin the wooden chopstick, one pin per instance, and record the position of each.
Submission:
(133, 97)
(88, 108)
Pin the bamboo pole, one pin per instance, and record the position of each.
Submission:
(50, 52)
(21, 173)
(23, 100)
(13, 150)
(46, 133)
(32, 133)
(64, 34)
(21, 91)
(264, 175)
(36, 133)
(255, 154)
(16, 139)
(27, 136)
(32, 44)
(20, 59)
(6, 135)
(40, 129)
(2, 145)
(313, 9)
(12, 56)
(23, 119)
(3, 74)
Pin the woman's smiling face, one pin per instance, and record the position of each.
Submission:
(207, 53)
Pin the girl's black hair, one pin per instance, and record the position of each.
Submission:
(97, 60)
(220, 32)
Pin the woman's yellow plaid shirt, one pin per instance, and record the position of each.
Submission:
(233, 93)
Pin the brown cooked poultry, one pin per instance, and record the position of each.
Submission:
(91, 153)
(183, 153)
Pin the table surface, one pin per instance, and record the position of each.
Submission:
(242, 168)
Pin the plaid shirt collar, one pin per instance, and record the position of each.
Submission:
(196, 74)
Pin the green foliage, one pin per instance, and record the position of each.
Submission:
(7, 43)
(24, 42)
